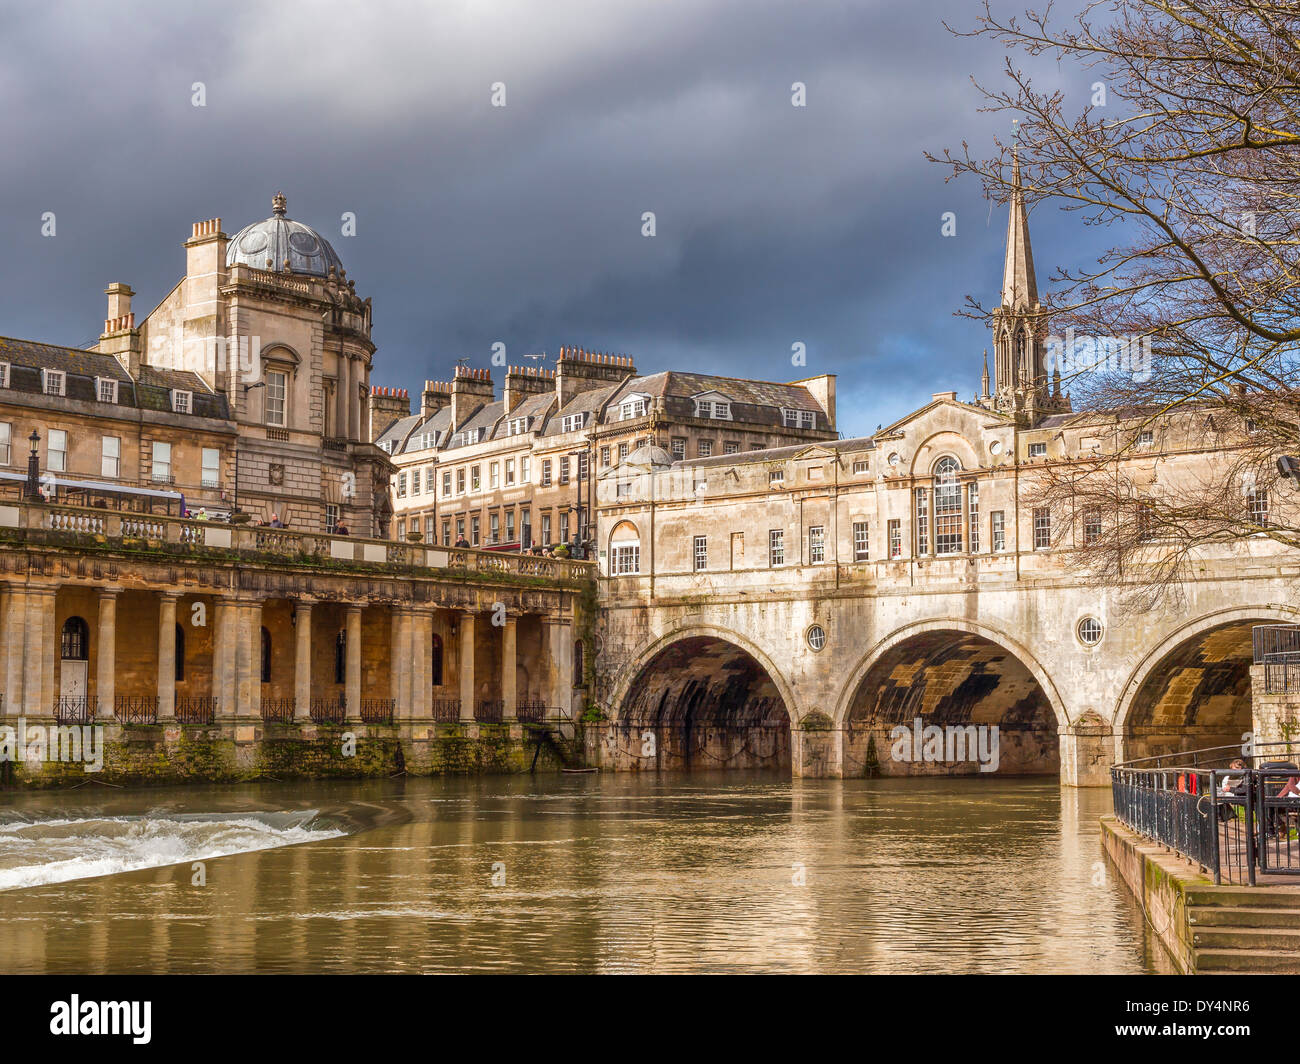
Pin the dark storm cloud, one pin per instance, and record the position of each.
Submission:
(776, 225)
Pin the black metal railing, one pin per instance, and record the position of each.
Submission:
(278, 710)
(136, 709)
(1234, 819)
(446, 710)
(1277, 648)
(378, 710)
(72, 711)
(196, 709)
(490, 711)
(531, 711)
(329, 710)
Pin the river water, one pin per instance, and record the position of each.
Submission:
(612, 873)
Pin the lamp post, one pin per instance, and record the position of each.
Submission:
(32, 487)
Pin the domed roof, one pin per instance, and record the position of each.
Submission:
(267, 245)
(650, 455)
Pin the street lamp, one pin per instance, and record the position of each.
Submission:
(32, 488)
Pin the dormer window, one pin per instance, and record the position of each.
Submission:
(632, 406)
(798, 419)
(54, 382)
(517, 426)
(4, 374)
(713, 405)
(106, 389)
(573, 422)
(182, 401)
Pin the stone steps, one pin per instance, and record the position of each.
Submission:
(1281, 939)
(1242, 916)
(1255, 897)
(1225, 961)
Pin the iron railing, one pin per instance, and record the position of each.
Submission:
(72, 711)
(377, 710)
(278, 710)
(1235, 823)
(531, 711)
(196, 709)
(136, 709)
(329, 710)
(446, 710)
(1277, 649)
(490, 711)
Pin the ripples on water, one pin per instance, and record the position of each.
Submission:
(601, 873)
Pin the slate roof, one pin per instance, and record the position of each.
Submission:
(752, 402)
(151, 391)
(483, 418)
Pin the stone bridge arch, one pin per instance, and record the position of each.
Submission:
(962, 678)
(1193, 688)
(701, 697)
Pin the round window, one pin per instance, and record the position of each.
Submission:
(894, 459)
(995, 447)
(816, 637)
(1090, 631)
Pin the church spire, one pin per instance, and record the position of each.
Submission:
(1019, 286)
(984, 377)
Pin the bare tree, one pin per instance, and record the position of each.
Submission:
(1189, 146)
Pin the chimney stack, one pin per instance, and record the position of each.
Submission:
(523, 381)
(436, 396)
(386, 406)
(577, 371)
(470, 390)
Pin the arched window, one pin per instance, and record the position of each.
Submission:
(436, 669)
(180, 653)
(341, 657)
(624, 549)
(947, 506)
(947, 513)
(266, 656)
(75, 643)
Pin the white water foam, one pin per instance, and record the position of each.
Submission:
(38, 852)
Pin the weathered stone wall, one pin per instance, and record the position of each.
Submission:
(158, 755)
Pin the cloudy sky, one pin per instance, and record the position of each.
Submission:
(522, 224)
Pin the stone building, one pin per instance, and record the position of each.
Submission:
(796, 605)
(511, 472)
(269, 321)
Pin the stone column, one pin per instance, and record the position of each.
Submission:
(422, 660)
(340, 399)
(400, 665)
(353, 378)
(47, 644)
(248, 659)
(106, 654)
(15, 610)
(559, 661)
(352, 687)
(302, 661)
(37, 689)
(223, 656)
(465, 630)
(509, 666)
(167, 655)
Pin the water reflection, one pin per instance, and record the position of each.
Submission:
(607, 874)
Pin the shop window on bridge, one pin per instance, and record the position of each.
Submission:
(624, 549)
(266, 656)
(947, 507)
(435, 666)
(75, 641)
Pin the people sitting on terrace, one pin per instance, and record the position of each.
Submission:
(462, 542)
(202, 515)
(1234, 786)
(276, 522)
(341, 529)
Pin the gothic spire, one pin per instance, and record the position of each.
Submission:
(1019, 286)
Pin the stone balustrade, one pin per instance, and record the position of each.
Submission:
(112, 526)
